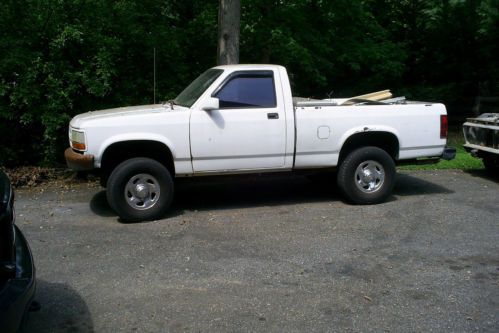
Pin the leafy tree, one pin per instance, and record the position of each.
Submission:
(59, 58)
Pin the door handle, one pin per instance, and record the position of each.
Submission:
(273, 115)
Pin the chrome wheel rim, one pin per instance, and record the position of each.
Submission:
(369, 176)
(142, 191)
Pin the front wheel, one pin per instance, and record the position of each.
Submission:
(367, 175)
(140, 189)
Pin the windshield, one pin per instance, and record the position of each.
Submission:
(197, 87)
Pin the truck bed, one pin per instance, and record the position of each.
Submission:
(310, 102)
(321, 129)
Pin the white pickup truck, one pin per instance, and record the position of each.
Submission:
(243, 119)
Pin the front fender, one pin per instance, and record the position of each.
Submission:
(136, 136)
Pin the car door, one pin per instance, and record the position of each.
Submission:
(247, 132)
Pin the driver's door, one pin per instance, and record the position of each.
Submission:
(247, 132)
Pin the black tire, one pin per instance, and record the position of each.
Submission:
(491, 164)
(140, 189)
(367, 176)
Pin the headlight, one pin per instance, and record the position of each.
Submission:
(77, 139)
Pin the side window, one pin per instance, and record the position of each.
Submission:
(248, 90)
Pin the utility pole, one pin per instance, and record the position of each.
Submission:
(229, 18)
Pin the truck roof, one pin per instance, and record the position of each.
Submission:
(249, 66)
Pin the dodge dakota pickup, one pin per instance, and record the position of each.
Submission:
(243, 119)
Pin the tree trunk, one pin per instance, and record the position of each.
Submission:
(266, 34)
(229, 16)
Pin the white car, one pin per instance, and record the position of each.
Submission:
(243, 119)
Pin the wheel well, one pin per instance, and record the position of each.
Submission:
(384, 140)
(122, 151)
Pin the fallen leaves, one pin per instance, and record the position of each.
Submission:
(31, 176)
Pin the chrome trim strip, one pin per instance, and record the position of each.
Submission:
(424, 147)
(235, 157)
(318, 152)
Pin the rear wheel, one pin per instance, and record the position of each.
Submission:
(140, 189)
(491, 164)
(367, 175)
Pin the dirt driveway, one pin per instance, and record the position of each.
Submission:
(274, 254)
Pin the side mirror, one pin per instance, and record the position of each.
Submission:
(211, 103)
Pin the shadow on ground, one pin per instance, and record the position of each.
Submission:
(62, 310)
(408, 185)
(209, 193)
(256, 191)
(100, 206)
(482, 173)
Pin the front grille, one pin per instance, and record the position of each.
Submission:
(481, 136)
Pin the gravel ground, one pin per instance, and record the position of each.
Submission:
(270, 253)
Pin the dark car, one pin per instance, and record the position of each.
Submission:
(17, 270)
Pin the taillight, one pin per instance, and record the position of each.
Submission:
(444, 126)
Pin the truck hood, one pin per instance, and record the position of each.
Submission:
(142, 110)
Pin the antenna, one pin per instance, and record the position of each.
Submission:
(154, 76)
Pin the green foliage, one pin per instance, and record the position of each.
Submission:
(59, 58)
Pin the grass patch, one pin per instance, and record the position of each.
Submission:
(463, 160)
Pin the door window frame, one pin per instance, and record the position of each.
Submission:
(250, 74)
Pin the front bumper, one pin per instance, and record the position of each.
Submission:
(18, 293)
(78, 162)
